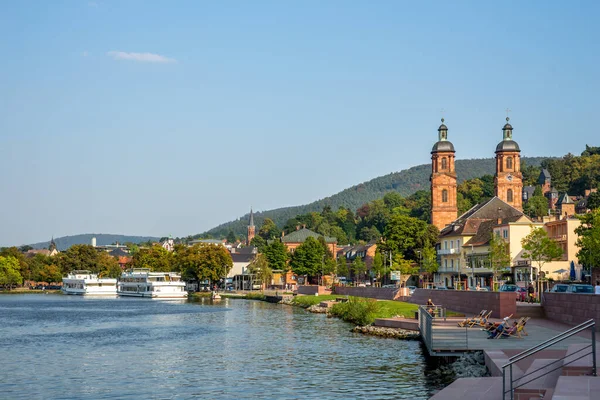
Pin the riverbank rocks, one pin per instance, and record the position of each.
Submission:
(470, 365)
(317, 309)
(387, 332)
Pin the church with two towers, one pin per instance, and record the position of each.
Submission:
(464, 240)
(508, 180)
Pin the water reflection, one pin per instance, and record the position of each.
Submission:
(70, 347)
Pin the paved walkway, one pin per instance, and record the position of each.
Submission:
(449, 338)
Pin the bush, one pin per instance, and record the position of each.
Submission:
(255, 296)
(307, 301)
(357, 310)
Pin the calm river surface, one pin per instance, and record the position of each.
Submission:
(70, 347)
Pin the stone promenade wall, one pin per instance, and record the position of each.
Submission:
(469, 302)
(370, 292)
(313, 289)
(571, 308)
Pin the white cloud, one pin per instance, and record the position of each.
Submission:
(141, 57)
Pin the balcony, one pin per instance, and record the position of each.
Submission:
(559, 238)
(443, 252)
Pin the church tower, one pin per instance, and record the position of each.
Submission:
(444, 209)
(251, 228)
(508, 182)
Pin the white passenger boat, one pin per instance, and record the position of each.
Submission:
(86, 283)
(140, 282)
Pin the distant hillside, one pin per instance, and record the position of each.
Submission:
(404, 182)
(102, 239)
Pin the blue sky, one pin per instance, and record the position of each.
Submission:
(159, 117)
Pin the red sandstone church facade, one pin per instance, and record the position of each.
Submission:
(508, 180)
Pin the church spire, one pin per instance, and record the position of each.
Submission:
(251, 228)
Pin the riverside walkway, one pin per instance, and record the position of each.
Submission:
(443, 336)
(446, 338)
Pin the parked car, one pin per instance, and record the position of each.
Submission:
(577, 288)
(508, 288)
(390, 286)
(411, 290)
(522, 294)
(559, 288)
(441, 288)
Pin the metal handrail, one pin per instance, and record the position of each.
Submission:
(544, 345)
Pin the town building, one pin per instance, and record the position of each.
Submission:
(463, 248)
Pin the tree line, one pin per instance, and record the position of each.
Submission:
(200, 262)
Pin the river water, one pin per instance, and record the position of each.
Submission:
(71, 347)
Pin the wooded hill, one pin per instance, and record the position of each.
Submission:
(102, 239)
(405, 182)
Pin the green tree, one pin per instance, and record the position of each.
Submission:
(359, 268)
(231, 237)
(108, 266)
(588, 239)
(429, 262)
(269, 230)
(499, 256)
(369, 233)
(307, 259)
(406, 267)
(378, 267)
(593, 201)
(539, 248)
(157, 258)
(14, 252)
(79, 257)
(261, 270)
(393, 200)
(9, 272)
(203, 262)
(259, 243)
(341, 268)
(277, 255)
(536, 206)
(50, 273)
(405, 235)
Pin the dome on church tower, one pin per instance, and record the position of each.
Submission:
(507, 143)
(443, 144)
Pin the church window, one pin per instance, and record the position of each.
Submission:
(509, 196)
(444, 163)
(509, 163)
(444, 196)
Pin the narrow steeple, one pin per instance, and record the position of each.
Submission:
(251, 228)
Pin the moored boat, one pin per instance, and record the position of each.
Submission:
(83, 282)
(141, 282)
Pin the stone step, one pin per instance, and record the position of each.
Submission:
(575, 364)
(540, 376)
(489, 388)
(495, 360)
(577, 388)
